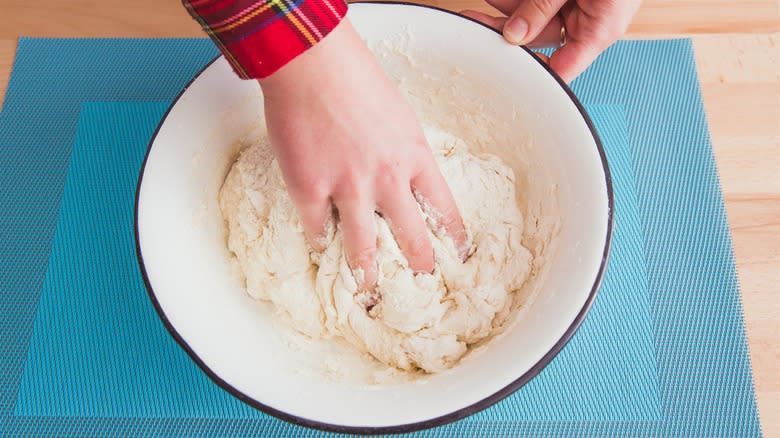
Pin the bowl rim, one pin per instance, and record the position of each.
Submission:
(436, 421)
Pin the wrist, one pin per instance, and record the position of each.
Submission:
(331, 59)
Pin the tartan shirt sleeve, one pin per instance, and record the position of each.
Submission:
(258, 37)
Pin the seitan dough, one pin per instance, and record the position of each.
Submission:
(420, 322)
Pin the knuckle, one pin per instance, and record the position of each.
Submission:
(391, 177)
(314, 187)
(319, 189)
(353, 184)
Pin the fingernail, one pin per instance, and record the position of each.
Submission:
(515, 30)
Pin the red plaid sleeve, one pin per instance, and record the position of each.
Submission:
(260, 36)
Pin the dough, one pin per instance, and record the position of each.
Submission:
(421, 322)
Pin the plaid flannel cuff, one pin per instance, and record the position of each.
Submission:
(260, 36)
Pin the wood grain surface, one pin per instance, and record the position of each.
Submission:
(737, 48)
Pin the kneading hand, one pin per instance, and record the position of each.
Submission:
(344, 136)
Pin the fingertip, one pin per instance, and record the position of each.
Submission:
(515, 30)
(315, 217)
(573, 58)
(457, 231)
(421, 259)
(362, 263)
(316, 242)
(365, 274)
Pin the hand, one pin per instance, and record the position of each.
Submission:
(344, 136)
(591, 27)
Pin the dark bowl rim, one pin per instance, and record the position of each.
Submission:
(433, 422)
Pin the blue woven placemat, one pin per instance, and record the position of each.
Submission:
(662, 352)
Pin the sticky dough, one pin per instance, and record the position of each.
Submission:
(421, 322)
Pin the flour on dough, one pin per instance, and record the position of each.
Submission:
(422, 322)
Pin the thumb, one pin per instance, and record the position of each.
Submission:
(530, 17)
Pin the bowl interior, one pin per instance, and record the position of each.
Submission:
(457, 74)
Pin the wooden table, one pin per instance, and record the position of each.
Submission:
(738, 58)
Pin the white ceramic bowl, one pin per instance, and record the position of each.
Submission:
(536, 125)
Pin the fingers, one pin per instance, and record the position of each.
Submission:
(496, 23)
(586, 40)
(403, 215)
(359, 230)
(529, 19)
(550, 36)
(435, 197)
(573, 58)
